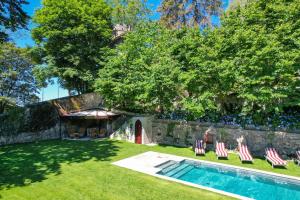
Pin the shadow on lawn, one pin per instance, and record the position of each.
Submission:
(176, 146)
(22, 165)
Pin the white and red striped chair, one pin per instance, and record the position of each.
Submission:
(199, 148)
(297, 159)
(244, 153)
(221, 151)
(273, 157)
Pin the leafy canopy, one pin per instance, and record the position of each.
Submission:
(249, 65)
(129, 12)
(140, 74)
(17, 84)
(185, 13)
(73, 36)
(12, 16)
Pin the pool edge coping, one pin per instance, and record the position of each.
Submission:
(221, 164)
(202, 187)
(243, 168)
(181, 158)
(178, 158)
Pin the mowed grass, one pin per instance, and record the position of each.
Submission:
(83, 170)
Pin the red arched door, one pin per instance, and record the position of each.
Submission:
(138, 132)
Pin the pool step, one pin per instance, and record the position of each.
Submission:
(183, 172)
(176, 170)
(169, 168)
(166, 164)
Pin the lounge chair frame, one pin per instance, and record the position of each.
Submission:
(199, 148)
(275, 157)
(219, 151)
(250, 158)
(297, 159)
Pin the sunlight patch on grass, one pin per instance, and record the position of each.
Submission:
(83, 170)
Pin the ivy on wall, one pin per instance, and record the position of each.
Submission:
(223, 134)
(12, 122)
(170, 129)
(270, 137)
(187, 137)
(41, 117)
(29, 119)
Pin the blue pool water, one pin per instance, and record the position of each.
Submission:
(242, 182)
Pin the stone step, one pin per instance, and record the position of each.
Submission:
(176, 170)
(183, 172)
(169, 168)
(166, 164)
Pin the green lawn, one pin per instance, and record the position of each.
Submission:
(83, 170)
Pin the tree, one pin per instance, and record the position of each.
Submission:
(173, 13)
(140, 74)
(129, 12)
(266, 55)
(201, 81)
(195, 13)
(17, 84)
(73, 36)
(12, 16)
(250, 64)
(238, 3)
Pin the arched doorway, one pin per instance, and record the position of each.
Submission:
(138, 132)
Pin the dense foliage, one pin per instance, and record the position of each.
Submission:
(247, 67)
(194, 13)
(140, 74)
(13, 121)
(72, 36)
(234, 4)
(17, 83)
(12, 16)
(129, 12)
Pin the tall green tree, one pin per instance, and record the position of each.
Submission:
(184, 13)
(17, 83)
(173, 13)
(251, 63)
(238, 3)
(129, 12)
(140, 74)
(12, 16)
(73, 36)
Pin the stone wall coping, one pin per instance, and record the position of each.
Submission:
(221, 125)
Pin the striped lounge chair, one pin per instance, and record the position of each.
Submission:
(297, 159)
(273, 157)
(221, 151)
(199, 148)
(244, 153)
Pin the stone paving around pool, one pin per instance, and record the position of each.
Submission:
(147, 162)
(150, 163)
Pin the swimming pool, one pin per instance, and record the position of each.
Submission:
(242, 182)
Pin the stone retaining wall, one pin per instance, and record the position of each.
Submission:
(52, 133)
(185, 133)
